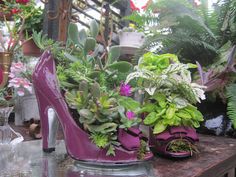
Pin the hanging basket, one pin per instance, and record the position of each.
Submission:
(130, 42)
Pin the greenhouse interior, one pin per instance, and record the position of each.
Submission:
(117, 88)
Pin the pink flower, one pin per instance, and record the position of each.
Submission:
(22, 1)
(130, 115)
(197, 2)
(16, 68)
(20, 84)
(125, 89)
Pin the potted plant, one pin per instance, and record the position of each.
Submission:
(130, 40)
(10, 39)
(21, 83)
(169, 102)
(34, 22)
(99, 117)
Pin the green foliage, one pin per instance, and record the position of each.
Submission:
(89, 80)
(94, 28)
(89, 44)
(176, 26)
(34, 20)
(175, 79)
(129, 103)
(181, 145)
(170, 90)
(73, 33)
(45, 43)
(142, 150)
(5, 98)
(163, 115)
(114, 54)
(231, 104)
(157, 63)
(121, 66)
(100, 140)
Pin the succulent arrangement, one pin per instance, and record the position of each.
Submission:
(94, 88)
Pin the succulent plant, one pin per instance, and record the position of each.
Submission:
(86, 78)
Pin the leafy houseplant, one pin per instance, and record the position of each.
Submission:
(170, 93)
(91, 84)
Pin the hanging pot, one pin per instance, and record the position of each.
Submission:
(130, 42)
(5, 63)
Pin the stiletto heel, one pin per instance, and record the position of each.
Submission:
(49, 122)
(77, 141)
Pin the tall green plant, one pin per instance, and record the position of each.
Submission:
(176, 26)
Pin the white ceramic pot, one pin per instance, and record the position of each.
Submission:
(26, 108)
(132, 39)
(130, 42)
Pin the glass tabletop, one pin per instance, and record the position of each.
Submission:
(28, 160)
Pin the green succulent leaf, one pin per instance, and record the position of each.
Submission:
(121, 66)
(86, 113)
(111, 151)
(104, 101)
(71, 57)
(89, 45)
(95, 90)
(103, 128)
(73, 33)
(82, 36)
(94, 28)
(114, 54)
(100, 139)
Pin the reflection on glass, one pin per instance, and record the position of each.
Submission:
(5, 130)
(7, 134)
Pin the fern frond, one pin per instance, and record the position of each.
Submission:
(231, 105)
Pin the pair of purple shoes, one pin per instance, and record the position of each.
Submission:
(77, 141)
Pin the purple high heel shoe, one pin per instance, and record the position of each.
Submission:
(161, 141)
(52, 106)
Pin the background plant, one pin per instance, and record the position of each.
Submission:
(15, 28)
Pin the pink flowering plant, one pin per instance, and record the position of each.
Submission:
(20, 80)
(24, 16)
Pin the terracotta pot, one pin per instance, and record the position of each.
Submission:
(5, 63)
(31, 49)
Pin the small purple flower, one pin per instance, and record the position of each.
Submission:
(125, 89)
(130, 115)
